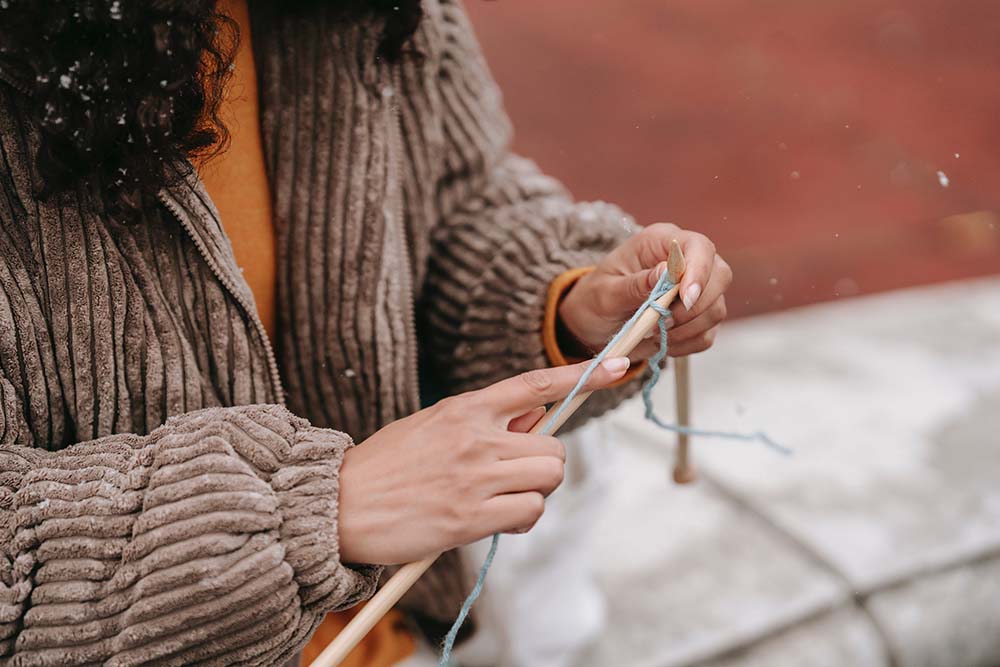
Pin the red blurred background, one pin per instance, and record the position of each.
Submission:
(806, 138)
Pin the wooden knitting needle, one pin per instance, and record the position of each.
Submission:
(683, 471)
(394, 589)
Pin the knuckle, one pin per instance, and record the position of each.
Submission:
(724, 269)
(478, 399)
(452, 534)
(456, 522)
(554, 472)
(461, 406)
(453, 479)
(636, 289)
(470, 399)
(467, 441)
(467, 528)
(470, 488)
(556, 446)
(444, 405)
(722, 309)
(537, 382)
(602, 302)
(497, 443)
(662, 228)
(452, 405)
(534, 507)
(704, 240)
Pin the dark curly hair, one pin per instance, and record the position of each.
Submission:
(122, 91)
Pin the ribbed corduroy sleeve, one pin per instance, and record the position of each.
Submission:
(506, 232)
(212, 539)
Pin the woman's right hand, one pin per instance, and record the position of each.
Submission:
(457, 471)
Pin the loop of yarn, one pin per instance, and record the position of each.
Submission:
(655, 363)
(663, 285)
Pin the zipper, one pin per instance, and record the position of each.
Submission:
(396, 146)
(248, 308)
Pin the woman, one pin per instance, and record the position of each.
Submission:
(190, 347)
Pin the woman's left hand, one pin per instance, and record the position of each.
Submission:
(595, 308)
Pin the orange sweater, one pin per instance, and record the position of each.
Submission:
(237, 182)
(237, 179)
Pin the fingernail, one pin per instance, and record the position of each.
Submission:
(615, 364)
(691, 295)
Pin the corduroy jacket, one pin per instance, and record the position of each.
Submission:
(166, 495)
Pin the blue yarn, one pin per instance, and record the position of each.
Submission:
(463, 613)
(647, 398)
(663, 285)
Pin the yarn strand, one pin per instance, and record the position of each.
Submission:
(655, 369)
(663, 285)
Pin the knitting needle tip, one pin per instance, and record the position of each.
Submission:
(675, 262)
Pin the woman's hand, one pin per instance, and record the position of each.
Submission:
(457, 471)
(595, 308)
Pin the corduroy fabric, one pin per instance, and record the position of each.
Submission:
(157, 502)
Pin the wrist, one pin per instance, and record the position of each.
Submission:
(353, 528)
(562, 343)
(571, 343)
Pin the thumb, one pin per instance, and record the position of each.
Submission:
(639, 284)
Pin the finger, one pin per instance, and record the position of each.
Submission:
(645, 350)
(719, 281)
(699, 258)
(515, 396)
(699, 343)
(533, 473)
(525, 422)
(709, 319)
(652, 245)
(641, 282)
(513, 512)
(634, 289)
(513, 446)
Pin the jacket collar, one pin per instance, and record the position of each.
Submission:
(187, 199)
(190, 202)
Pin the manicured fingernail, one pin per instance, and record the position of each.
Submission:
(615, 364)
(691, 295)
